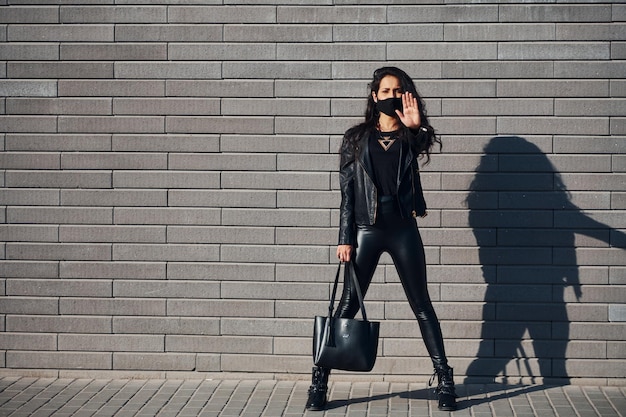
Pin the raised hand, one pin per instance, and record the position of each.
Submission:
(411, 115)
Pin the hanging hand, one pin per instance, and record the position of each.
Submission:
(344, 252)
(411, 116)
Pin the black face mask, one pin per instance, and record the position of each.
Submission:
(389, 106)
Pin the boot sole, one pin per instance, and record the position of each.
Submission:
(447, 408)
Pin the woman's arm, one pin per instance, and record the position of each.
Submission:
(346, 183)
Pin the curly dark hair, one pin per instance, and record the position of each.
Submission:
(421, 146)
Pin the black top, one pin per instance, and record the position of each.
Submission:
(385, 153)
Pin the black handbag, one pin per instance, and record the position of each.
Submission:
(346, 344)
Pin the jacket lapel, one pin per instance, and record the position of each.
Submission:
(364, 157)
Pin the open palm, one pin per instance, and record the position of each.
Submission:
(410, 116)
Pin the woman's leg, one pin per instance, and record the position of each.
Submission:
(407, 251)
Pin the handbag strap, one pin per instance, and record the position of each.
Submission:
(332, 297)
(356, 285)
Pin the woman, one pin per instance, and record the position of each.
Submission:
(381, 196)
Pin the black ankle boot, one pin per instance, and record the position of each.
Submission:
(445, 388)
(317, 391)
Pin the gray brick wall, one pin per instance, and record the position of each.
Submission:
(169, 185)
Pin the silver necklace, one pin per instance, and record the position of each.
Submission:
(386, 141)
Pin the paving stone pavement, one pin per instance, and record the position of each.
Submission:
(21, 396)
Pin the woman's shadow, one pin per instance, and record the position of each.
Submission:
(525, 225)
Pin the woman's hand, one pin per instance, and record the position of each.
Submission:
(411, 116)
(344, 252)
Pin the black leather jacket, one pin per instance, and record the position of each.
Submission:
(359, 196)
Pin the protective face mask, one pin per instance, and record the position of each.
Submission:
(389, 106)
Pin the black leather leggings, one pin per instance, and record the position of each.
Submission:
(401, 239)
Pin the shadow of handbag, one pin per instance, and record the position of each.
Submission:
(342, 343)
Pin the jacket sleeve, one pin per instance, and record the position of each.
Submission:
(418, 192)
(418, 138)
(419, 203)
(346, 183)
